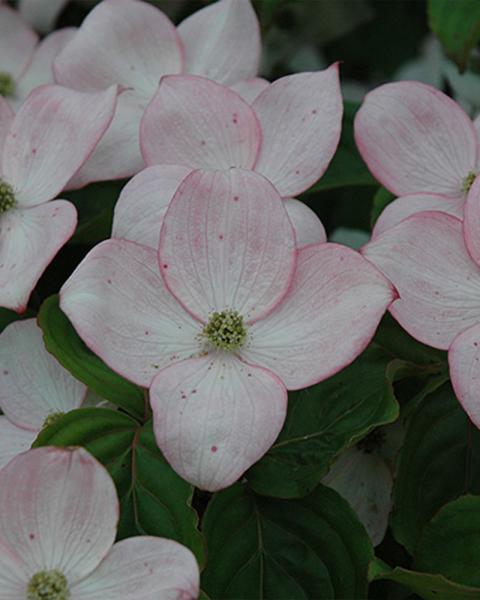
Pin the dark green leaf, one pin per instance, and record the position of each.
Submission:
(284, 549)
(7, 317)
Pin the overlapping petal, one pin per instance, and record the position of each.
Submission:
(439, 284)
(308, 227)
(215, 416)
(327, 318)
(227, 243)
(250, 88)
(33, 384)
(471, 225)
(198, 123)
(464, 362)
(13, 440)
(118, 303)
(416, 139)
(17, 42)
(29, 239)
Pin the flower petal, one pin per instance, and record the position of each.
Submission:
(215, 416)
(198, 123)
(143, 203)
(308, 227)
(301, 120)
(52, 135)
(222, 41)
(144, 568)
(118, 303)
(327, 318)
(6, 119)
(13, 577)
(123, 42)
(403, 207)
(13, 440)
(227, 243)
(17, 42)
(41, 15)
(29, 240)
(415, 139)
(439, 284)
(464, 362)
(471, 224)
(33, 384)
(59, 510)
(250, 89)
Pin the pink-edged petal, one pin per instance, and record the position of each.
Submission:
(40, 69)
(13, 575)
(33, 384)
(198, 123)
(250, 89)
(13, 440)
(464, 362)
(215, 416)
(17, 42)
(59, 510)
(117, 155)
(222, 41)
(327, 318)
(308, 227)
(403, 207)
(119, 305)
(143, 203)
(301, 120)
(6, 119)
(416, 139)
(227, 243)
(439, 284)
(29, 240)
(41, 15)
(144, 568)
(123, 42)
(476, 124)
(52, 135)
(471, 224)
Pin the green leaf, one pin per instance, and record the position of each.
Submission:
(425, 585)
(322, 421)
(62, 341)
(439, 461)
(284, 549)
(7, 317)
(381, 199)
(457, 25)
(154, 500)
(450, 542)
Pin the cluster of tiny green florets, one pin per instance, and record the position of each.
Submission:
(468, 181)
(52, 418)
(7, 84)
(225, 330)
(7, 197)
(48, 585)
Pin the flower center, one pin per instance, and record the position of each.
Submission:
(7, 197)
(52, 418)
(468, 181)
(7, 84)
(225, 330)
(48, 585)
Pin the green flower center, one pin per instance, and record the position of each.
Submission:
(52, 418)
(7, 84)
(48, 585)
(7, 197)
(225, 330)
(468, 182)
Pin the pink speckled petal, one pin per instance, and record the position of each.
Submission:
(144, 568)
(17, 42)
(29, 240)
(471, 224)
(215, 416)
(59, 510)
(327, 318)
(464, 362)
(198, 123)
(416, 139)
(227, 243)
(118, 303)
(13, 440)
(308, 227)
(250, 89)
(301, 119)
(41, 15)
(439, 284)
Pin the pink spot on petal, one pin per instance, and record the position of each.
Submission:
(213, 449)
(220, 237)
(236, 198)
(165, 266)
(109, 281)
(31, 536)
(6, 372)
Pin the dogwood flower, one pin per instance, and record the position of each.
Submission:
(57, 530)
(41, 147)
(433, 259)
(41, 14)
(34, 388)
(25, 63)
(132, 43)
(224, 320)
(421, 146)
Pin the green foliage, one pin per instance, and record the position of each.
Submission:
(381, 199)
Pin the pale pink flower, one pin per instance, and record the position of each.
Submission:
(433, 259)
(420, 145)
(57, 530)
(48, 140)
(224, 320)
(133, 44)
(34, 388)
